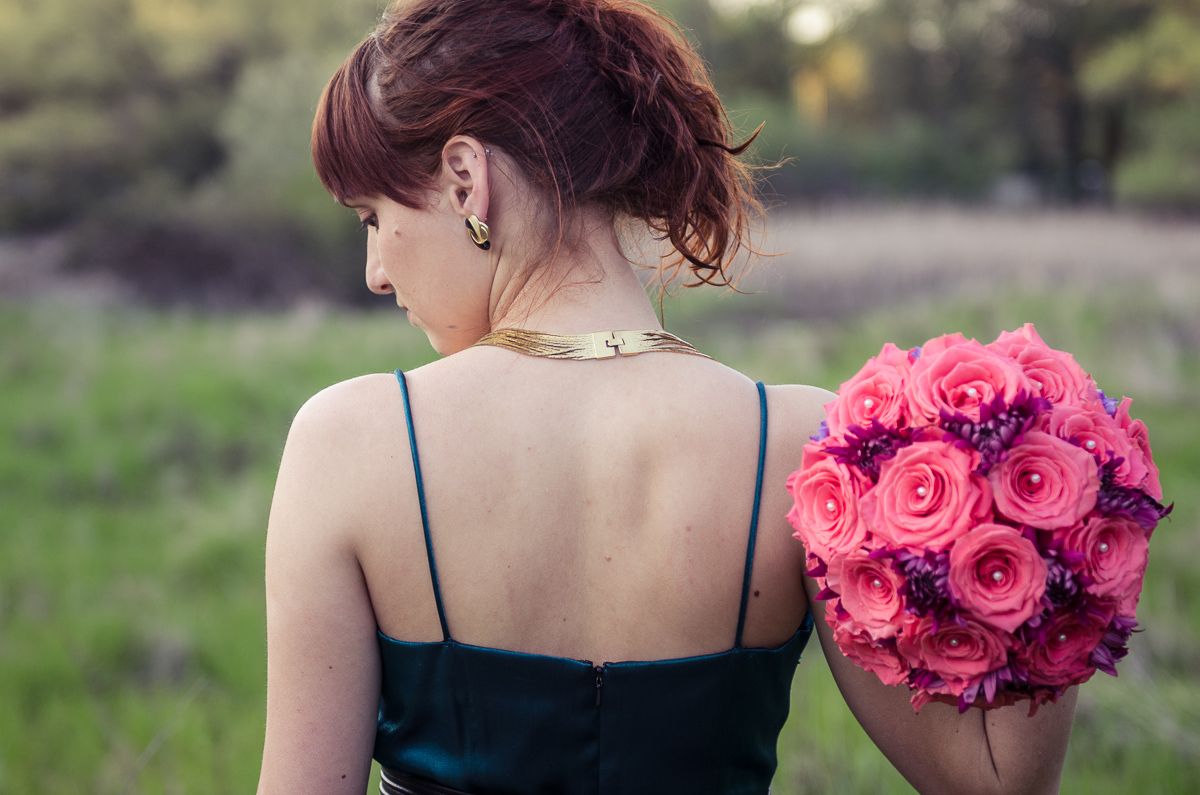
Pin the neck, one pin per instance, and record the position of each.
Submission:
(591, 287)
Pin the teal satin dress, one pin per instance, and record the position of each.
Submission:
(488, 721)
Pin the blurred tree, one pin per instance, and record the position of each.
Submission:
(997, 82)
(100, 96)
(745, 42)
(921, 96)
(1152, 77)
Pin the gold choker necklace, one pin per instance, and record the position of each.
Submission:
(598, 345)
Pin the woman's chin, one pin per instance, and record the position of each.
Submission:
(450, 342)
(442, 344)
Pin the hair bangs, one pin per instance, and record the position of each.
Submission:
(350, 146)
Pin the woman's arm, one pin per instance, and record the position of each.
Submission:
(1001, 751)
(322, 652)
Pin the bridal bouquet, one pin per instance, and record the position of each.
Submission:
(978, 518)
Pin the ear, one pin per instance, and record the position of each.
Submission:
(465, 174)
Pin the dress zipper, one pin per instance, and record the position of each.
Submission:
(599, 681)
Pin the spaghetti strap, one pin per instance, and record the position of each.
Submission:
(412, 443)
(758, 483)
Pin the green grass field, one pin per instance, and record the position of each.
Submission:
(137, 456)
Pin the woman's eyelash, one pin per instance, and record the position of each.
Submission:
(372, 222)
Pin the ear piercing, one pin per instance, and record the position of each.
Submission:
(480, 234)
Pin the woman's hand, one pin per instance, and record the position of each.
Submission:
(1001, 751)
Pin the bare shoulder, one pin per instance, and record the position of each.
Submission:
(802, 394)
(344, 407)
(799, 406)
(342, 441)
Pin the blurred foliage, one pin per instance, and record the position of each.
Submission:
(98, 97)
(170, 134)
(150, 124)
(1153, 75)
(922, 97)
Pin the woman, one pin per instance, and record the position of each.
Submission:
(565, 567)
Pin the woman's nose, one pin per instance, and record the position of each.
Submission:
(377, 280)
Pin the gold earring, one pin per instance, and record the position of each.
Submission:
(480, 234)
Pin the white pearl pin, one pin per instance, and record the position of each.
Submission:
(1103, 546)
(1035, 478)
(831, 506)
(1062, 637)
(954, 643)
(997, 576)
(922, 491)
(868, 403)
(972, 392)
(876, 583)
(1091, 444)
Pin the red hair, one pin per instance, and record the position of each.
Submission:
(599, 102)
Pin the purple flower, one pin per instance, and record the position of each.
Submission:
(827, 593)
(999, 427)
(1134, 503)
(1061, 586)
(926, 587)
(1110, 404)
(867, 448)
(1005, 678)
(1112, 646)
(822, 432)
(925, 679)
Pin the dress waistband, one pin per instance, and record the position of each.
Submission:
(392, 782)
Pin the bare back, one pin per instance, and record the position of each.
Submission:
(594, 510)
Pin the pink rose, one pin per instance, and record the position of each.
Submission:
(876, 392)
(1010, 343)
(1054, 374)
(870, 592)
(825, 512)
(1003, 698)
(1063, 657)
(1091, 428)
(960, 655)
(1115, 553)
(927, 496)
(879, 660)
(836, 616)
(959, 377)
(1127, 605)
(1045, 482)
(939, 696)
(1140, 438)
(939, 344)
(997, 574)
